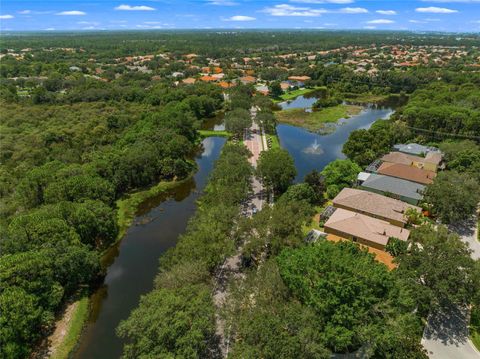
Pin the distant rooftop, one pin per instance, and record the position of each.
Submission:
(393, 185)
(415, 149)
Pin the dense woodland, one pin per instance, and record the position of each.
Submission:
(72, 145)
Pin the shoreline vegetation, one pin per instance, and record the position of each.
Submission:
(316, 121)
(71, 328)
(127, 208)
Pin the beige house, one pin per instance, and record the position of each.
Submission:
(430, 162)
(374, 205)
(409, 173)
(363, 229)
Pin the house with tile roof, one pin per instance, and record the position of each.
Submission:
(415, 149)
(397, 188)
(362, 229)
(373, 205)
(430, 162)
(406, 172)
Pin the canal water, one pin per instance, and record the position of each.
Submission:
(133, 263)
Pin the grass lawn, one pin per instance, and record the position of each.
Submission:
(314, 121)
(212, 133)
(475, 327)
(73, 329)
(295, 93)
(275, 141)
(365, 97)
(315, 221)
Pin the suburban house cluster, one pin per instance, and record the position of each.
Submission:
(374, 211)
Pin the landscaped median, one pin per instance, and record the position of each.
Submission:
(213, 133)
(475, 326)
(316, 120)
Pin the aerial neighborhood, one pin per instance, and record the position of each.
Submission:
(378, 208)
(228, 193)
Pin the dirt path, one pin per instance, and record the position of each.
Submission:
(56, 339)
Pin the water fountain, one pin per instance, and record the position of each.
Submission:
(314, 148)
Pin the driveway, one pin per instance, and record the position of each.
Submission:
(468, 234)
(446, 336)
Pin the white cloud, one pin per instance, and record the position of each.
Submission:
(71, 13)
(222, 2)
(124, 7)
(240, 18)
(380, 21)
(435, 10)
(25, 12)
(289, 10)
(417, 21)
(353, 10)
(369, 27)
(49, 29)
(386, 12)
(6, 17)
(92, 23)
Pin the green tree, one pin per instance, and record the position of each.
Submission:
(275, 89)
(396, 246)
(237, 121)
(277, 169)
(339, 174)
(316, 181)
(342, 284)
(184, 324)
(454, 196)
(267, 120)
(438, 270)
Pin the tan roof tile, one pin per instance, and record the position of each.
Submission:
(373, 204)
(365, 227)
(409, 173)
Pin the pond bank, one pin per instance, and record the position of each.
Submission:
(133, 262)
(315, 120)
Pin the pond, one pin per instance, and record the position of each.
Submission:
(303, 101)
(133, 263)
(314, 151)
(215, 123)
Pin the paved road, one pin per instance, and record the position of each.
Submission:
(253, 140)
(468, 234)
(446, 336)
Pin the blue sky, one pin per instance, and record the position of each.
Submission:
(418, 15)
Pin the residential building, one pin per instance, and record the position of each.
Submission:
(247, 80)
(397, 188)
(363, 229)
(374, 205)
(430, 162)
(406, 172)
(298, 80)
(415, 149)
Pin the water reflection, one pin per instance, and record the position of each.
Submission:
(314, 151)
(133, 263)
